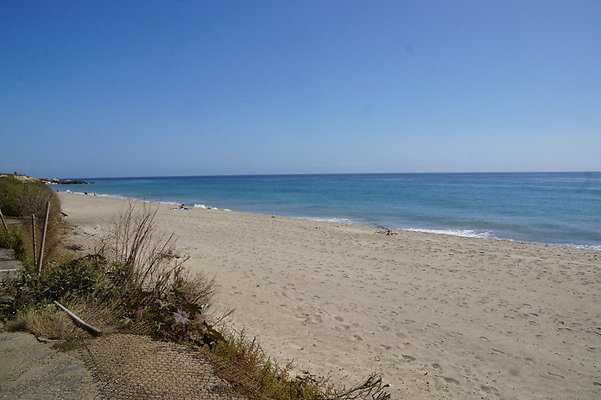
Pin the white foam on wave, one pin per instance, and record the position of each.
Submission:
(118, 196)
(171, 203)
(595, 247)
(456, 232)
(331, 219)
(114, 196)
(204, 207)
(489, 235)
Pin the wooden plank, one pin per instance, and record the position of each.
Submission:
(41, 257)
(3, 221)
(78, 321)
(33, 237)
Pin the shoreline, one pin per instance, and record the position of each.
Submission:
(438, 316)
(346, 221)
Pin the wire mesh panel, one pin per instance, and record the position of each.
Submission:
(137, 367)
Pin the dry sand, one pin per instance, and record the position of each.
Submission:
(441, 317)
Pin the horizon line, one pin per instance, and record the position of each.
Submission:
(330, 173)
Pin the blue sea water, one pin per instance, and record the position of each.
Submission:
(551, 208)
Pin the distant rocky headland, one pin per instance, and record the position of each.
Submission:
(50, 181)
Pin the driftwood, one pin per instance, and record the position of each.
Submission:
(78, 321)
(385, 231)
(373, 389)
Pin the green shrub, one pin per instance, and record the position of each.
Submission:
(68, 281)
(177, 311)
(160, 296)
(22, 198)
(13, 240)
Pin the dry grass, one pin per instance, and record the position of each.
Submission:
(243, 362)
(45, 322)
(50, 322)
(160, 295)
(151, 257)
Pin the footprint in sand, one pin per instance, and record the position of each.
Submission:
(340, 319)
(450, 380)
(408, 358)
(555, 375)
(489, 389)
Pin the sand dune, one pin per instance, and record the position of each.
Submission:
(441, 317)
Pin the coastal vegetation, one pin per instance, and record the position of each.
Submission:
(21, 198)
(26, 178)
(23, 201)
(12, 240)
(136, 282)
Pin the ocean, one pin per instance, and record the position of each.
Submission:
(549, 208)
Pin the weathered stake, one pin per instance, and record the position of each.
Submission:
(78, 321)
(3, 221)
(41, 257)
(33, 237)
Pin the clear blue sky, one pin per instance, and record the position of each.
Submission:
(146, 88)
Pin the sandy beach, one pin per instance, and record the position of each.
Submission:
(440, 317)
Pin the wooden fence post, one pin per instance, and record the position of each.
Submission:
(41, 257)
(3, 221)
(33, 238)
